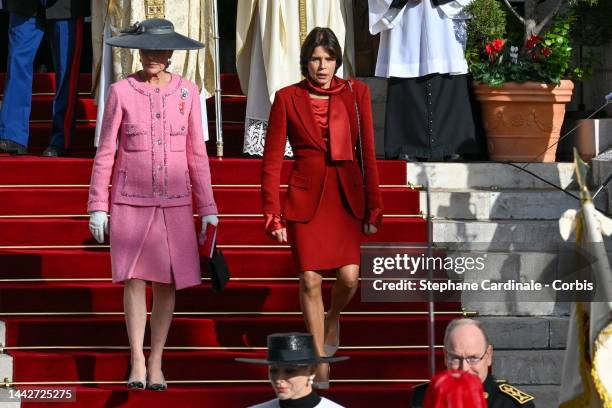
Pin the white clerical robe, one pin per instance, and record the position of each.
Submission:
(192, 18)
(325, 403)
(268, 52)
(420, 39)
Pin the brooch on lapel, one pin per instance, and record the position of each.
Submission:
(184, 95)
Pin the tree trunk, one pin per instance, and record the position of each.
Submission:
(530, 18)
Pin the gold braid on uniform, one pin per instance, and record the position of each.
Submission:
(155, 9)
(520, 396)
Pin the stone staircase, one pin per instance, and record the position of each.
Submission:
(6, 372)
(499, 208)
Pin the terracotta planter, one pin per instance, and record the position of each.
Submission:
(522, 120)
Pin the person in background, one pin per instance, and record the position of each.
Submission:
(428, 112)
(291, 361)
(467, 348)
(152, 152)
(62, 20)
(191, 18)
(333, 195)
(269, 34)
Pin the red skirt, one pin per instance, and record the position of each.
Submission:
(332, 238)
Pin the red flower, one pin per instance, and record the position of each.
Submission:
(494, 47)
(498, 44)
(532, 42)
(546, 51)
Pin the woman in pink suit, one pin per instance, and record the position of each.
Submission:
(152, 124)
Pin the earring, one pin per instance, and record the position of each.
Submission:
(168, 63)
(311, 380)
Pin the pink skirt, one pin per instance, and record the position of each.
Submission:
(154, 244)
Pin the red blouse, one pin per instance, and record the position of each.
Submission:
(320, 109)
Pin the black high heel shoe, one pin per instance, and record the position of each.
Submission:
(137, 384)
(157, 386)
(134, 384)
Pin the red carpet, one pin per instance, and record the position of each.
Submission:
(219, 331)
(245, 200)
(55, 289)
(225, 171)
(94, 263)
(206, 365)
(235, 231)
(239, 297)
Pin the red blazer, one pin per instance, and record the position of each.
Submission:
(292, 116)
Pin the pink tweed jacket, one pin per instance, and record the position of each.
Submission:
(157, 136)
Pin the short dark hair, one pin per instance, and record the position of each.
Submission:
(320, 37)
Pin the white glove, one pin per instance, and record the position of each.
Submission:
(207, 219)
(98, 225)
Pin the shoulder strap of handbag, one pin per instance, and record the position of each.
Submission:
(359, 147)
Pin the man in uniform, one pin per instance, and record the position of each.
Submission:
(467, 348)
(62, 20)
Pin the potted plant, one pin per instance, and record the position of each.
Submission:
(523, 77)
(591, 31)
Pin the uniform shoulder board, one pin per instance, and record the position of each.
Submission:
(518, 395)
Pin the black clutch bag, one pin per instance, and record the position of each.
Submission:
(219, 272)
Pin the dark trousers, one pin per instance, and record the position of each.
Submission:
(25, 35)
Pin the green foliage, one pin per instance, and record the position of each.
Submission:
(488, 22)
(556, 66)
(547, 59)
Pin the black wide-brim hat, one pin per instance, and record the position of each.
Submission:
(153, 34)
(291, 349)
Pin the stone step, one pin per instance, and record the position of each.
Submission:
(6, 368)
(526, 333)
(507, 204)
(6, 401)
(519, 266)
(490, 175)
(499, 234)
(529, 367)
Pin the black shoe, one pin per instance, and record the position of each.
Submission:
(54, 151)
(11, 147)
(413, 159)
(137, 385)
(158, 387)
(454, 158)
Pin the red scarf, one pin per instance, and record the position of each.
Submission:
(339, 126)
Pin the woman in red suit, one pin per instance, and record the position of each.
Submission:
(332, 199)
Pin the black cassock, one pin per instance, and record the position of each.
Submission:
(430, 117)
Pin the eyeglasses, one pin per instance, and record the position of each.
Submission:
(457, 361)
